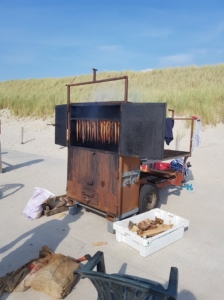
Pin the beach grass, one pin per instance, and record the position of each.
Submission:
(188, 90)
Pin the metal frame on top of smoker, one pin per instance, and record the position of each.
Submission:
(91, 82)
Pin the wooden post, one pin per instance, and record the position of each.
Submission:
(0, 158)
(22, 131)
(177, 142)
(0, 149)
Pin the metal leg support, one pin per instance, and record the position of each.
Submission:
(73, 209)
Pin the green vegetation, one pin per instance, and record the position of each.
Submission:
(190, 91)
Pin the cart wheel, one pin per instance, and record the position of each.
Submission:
(149, 197)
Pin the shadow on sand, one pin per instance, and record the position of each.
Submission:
(182, 295)
(10, 167)
(186, 295)
(9, 189)
(172, 190)
(28, 141)
(27, 246)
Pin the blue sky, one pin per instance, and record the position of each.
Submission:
(59, 38)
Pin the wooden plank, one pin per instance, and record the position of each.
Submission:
(99, 243)
(54, 211)
(0, 158)
(129, 187)
(59, 215)
(152, 232)
(154, 171)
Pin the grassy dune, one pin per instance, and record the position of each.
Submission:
(190, 91)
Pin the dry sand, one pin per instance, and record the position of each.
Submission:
(39, 139)
(198, 255)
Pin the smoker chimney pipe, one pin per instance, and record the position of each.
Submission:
(94, 74)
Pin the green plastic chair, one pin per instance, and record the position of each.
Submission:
(126, 287)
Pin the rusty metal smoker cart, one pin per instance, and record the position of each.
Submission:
(106, 141)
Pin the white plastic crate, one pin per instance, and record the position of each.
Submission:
(147, 246)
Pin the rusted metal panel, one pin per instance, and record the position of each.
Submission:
(108, 180)
(94, 169)
(74, 190)
(162, 181)
(106, 202)
(90, 197)
(130, 174)
(171, 154)
(110, 202)
(96, 179)
(119, 185)
(177, 181)
(93, 177)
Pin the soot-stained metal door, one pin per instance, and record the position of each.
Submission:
(142, 130)
(61, 125)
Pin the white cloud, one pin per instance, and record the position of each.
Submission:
(147, 70)
(176, 60)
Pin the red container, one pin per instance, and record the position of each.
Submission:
(161, 166)
(144, 167)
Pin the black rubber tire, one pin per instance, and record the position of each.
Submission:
(148, 198)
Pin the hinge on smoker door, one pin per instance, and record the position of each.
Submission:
(89, 182)
(131, 177)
